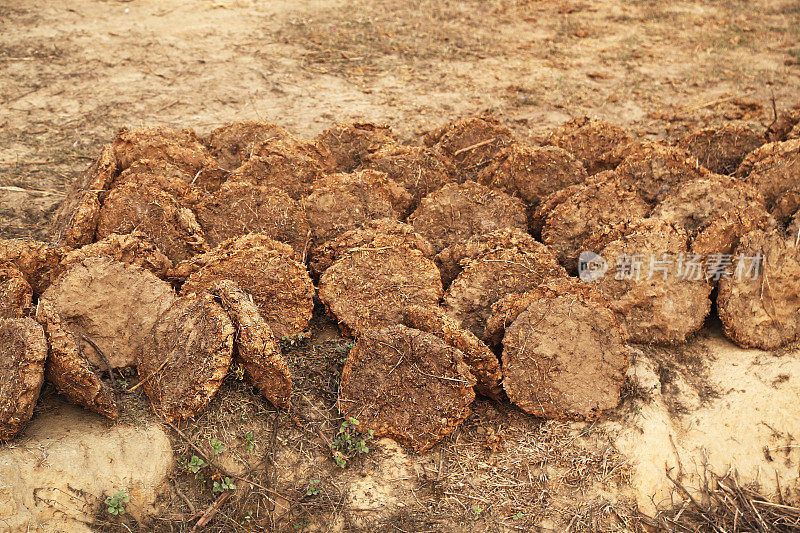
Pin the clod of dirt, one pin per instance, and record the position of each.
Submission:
(132, 249)
(69, 370)
(264, 269)
(112, 304)
(181, 148)
(490, 277)
(15, 292)
(654, 169)
(406, 384)
(786, 122)
(374, 234)
(565, 356)
(759, 303)
(350, 144)
(593, 142)
(240, 208)
(483, 363)
(233, 143)
(656, 292)
(721, 149)
(421, 170)
(451, 260)
(693, 204)
(456, 212)
(369, 287)
(773, 169)
(187, 356)
(155, 213)
(342, 202)
(254, 347)
(597, 203)
(24, 349)
(532, 172)
(37, 261)
(163, 176)
(471, 143)
(721, 234)
(292, 165)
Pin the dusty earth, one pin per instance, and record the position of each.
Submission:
(72, 74)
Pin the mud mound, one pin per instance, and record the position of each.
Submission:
(116, 314)
(773, 169)
(481, 360)
(456, 212)
(759, 303)
(565, 355)
(342, 202)
(406, 384)
(490, 277)
(181, 148)
(24, 350)
(264, 269)
(188, 354)
(450, 260)
(374, 234)
(654, 169)
(593, 142)
(254, 347)
(421, 170)
(240, 208)
(720, 235)
(37, 261)
(289, 164)
(132, 249)
(721, 149)
(350, 144)
(695, 203)
(368, 288)
(598, 203)
(656, 291)
(163, 176)
(155, 213)
(233, 143)
(531, 172)
(471, 143)
(15, 292)
(69, 370)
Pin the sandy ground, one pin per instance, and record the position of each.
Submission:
(72, 73)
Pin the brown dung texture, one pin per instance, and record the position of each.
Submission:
(24, 349)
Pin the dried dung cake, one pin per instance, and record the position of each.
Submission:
(421, 170)
(471, 143)
(597, 203)
(406, 384)
(483, 363)
(232, 144)
(24, 349)
(654, 169)
(532, 172)
(593, 142)
(38, 261)
(170, 226)
(565, 356)
(112, 304)
(759, 303)
(187, 356)
(68, 369)
(456, 212)
(786, 205)
(163, 176)
(15, 292)
(132, 249)
(450, 260)
(342, 202)
(241, 208)
(254, 346)
(350, 144)
(264, 269)
(368, 288)
(657, 292)
(490, 277)
(721, 234)
(773, 169)
(721, 149)
(537, 216)
(374, 234)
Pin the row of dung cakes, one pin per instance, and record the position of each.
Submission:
(445, 227)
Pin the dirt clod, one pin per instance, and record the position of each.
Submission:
(350, 144)
(721, 149)
(593, 142)
(15, 292)
(233, 143)
(406, 384)
(24, 349)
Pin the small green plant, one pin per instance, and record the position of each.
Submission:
(116, 503)
(287, 343)
(195, 464)
(517, 516)
(349, 442)
(313, 488)
(249, 441)
(476, 509)
(217, 446)
(302, 524)
(223, 484)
